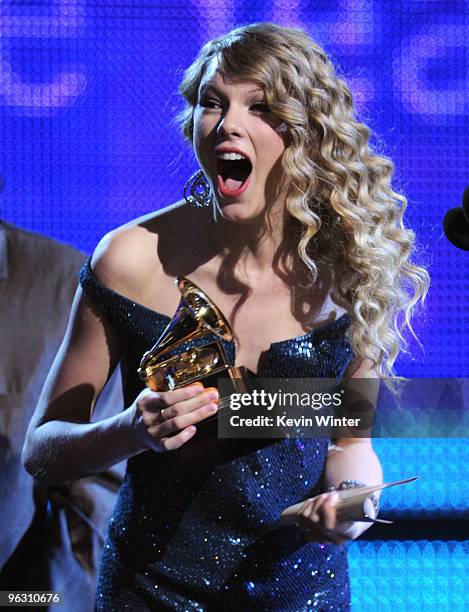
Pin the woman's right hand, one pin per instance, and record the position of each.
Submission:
(165, 421)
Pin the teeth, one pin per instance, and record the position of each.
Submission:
(230, 156)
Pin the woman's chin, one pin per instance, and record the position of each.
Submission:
(237, 213)
(237, 210)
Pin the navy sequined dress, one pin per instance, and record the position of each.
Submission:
(214, 543)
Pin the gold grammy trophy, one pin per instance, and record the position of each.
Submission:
(196, 318)
(163, 368)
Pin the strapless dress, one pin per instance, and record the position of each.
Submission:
(214, 543)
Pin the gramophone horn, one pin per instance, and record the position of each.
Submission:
(196, 317)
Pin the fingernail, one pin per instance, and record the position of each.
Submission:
(212, 395)
(212, 408)
(197, 388)
(334, 498)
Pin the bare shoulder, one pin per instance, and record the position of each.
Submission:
(121, 256)
(130, 256)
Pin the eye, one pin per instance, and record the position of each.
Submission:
(260, 107)
(210, 103)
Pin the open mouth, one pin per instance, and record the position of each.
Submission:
(233, 174)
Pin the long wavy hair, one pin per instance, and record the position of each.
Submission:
(339, 190)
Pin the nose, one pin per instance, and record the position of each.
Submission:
(231, 123)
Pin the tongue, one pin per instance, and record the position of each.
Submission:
(233, 173)
(233, 184)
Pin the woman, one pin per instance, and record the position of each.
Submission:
(300, 243)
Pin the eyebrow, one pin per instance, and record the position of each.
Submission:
(207, 86)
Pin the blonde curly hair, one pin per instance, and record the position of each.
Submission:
(339, 190)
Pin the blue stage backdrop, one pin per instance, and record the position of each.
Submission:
(88, 94)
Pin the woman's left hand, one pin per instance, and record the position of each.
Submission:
(317, 518)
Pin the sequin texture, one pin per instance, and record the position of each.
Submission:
(214, 542)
